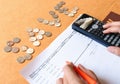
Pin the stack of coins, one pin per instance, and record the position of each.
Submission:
(36, 35)
(10, 45)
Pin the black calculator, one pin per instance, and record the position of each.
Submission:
(93, 28)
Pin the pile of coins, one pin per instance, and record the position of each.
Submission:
(36, 35)
(27, 56)
(56, 20)
(10, 45)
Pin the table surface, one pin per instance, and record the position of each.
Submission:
(17, 15)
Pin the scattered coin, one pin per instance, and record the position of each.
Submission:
(32, 39)
(28, 57)
(40, 20)
(16, 40)
(36, 30)
(15, 49)
(65, 9)
(74, 11)
(30, 51)
(76, 8)
(45, 22)
(31, 34)
(20, 60)
(51, 12)
(61, 10)
(55, 16)
(10, 43)
(24, 48)
(7, 49)
(62, 2)
(48, 34)
(56, 8)
(41, 32)
(36, 43)
(51, 23)
(57, 20)
(39, 37)
(57, 24)
(66, 12)
(71, 14)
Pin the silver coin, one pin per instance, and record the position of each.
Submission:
(41, 32)
(71, 14)
(39, 37)
(36, 43)
(10, 43)
(28, 57)
(61, 10)
(62, 2)
(57, 20)
(40, 20)
(30, 51)
(59, 5)
(51, 12)
(36, 30)
(31, 34)
(48, 34)
(66, 12)
(76, 8)
(24, 48)
(74, 11)
(20, 59)
(45, 22)
(16, 40)
(8, 49)
(56, 7)
(65, 9)
(51, 23)
(57, 24)
(15, 49)
(55, 16)
(32, 39)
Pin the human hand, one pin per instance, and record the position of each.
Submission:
(113, 27)
(71, 77)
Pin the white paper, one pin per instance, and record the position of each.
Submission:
(77, 48)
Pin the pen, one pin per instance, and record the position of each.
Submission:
(85, 76)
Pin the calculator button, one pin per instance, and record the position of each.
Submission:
(111, 38)
(115, 39)
(95, 26)
(118, 43)
(106, 37)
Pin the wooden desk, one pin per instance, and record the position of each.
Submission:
(17, 15)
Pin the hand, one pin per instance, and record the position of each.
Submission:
(113, 27)
(71, 77)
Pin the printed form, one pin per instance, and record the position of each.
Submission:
(77, 48)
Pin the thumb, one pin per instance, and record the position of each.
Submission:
(114, 50)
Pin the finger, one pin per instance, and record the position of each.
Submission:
(59, 81)
(89, 72)
(114, 50)
(112, 30)
(71, 75)
(117, 23)
(65, 81)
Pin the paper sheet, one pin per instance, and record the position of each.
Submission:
(75, 47)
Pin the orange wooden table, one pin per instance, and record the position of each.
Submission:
(17, 15)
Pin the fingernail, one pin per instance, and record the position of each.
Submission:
(68, 62)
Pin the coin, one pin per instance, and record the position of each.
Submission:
(28, 57)
(55, 16)
(30, 51)
(62, 2)
(32, 39)
(66, 12)
(57, 20)
(31, 34)
(71, 14)
(39, 37)
(15, 49)
(36, 30)
(61, 10)
(56, 7)
(65, 9)
(10, 43)
(24, 48)
(41, 32)
(76, 8)
(51, 12)
(48, 34)
(16, 40)
(40, 20)
(20, 60)
(57, 24)
(36, 43)
(7, 49)
(51, 23)
(45, 22)
(74, 11)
